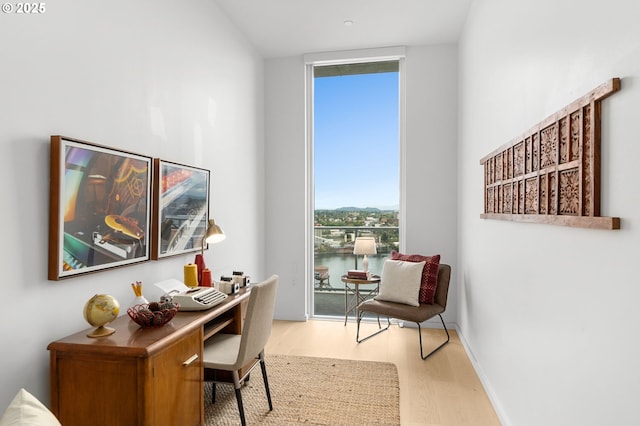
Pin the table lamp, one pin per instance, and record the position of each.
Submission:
(214, 234)
(364, 246)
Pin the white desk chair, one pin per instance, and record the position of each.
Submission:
(231, 352)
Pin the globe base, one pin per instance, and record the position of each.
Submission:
(101, 331)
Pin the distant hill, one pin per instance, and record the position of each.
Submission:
(361, 209)
(358, 209)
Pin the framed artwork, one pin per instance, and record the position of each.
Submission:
(100, 209)
(181, 213)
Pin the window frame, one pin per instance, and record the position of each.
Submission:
(338, 58)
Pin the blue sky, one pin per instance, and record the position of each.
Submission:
(356, 148)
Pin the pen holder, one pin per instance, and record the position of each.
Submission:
(138, 300)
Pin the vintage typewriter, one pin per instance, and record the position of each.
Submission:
(191, 298)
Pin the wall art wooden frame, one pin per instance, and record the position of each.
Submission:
(181, 213)
(551, 173)
(100, 207)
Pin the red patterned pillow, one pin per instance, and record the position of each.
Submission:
(429, 273)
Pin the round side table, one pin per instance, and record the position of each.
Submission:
(355, 295)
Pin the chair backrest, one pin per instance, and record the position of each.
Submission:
(258, 319)
(442, 289)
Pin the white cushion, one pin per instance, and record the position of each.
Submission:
(26, 410)
(400, 282)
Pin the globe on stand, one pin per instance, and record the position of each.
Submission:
(100, 310)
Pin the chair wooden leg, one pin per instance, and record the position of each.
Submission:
(266, 381)
(439, 347)
(359, 315)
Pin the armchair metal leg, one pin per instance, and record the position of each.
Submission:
(439, 347)
(360, 314)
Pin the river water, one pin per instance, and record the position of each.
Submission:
(339, 264)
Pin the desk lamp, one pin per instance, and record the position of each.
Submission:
(364, 246)
(214, 234)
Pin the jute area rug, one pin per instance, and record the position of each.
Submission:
(312, 391)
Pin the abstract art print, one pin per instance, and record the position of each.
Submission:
(100, 207)
(181, 213)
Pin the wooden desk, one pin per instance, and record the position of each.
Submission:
(139, 376)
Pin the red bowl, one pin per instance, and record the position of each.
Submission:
(145, 317)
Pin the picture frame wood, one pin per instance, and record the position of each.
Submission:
(181, 212)
(100, 207)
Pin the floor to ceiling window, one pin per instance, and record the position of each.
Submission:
(356, 172)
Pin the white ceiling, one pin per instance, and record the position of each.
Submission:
(279, 28)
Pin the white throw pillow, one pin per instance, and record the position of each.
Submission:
(400, 282)
(26, 410)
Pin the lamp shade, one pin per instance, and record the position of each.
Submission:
(365, 245)
(214, 233)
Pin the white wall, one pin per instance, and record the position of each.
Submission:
(285, 155)
(150, 76)
(431, 152)
(549, 311)
(431, 132)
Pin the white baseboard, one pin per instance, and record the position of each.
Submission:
(304, 317)
(483, 378)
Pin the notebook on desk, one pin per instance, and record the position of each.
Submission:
(191, 298)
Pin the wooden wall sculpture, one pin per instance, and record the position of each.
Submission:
(551, 173)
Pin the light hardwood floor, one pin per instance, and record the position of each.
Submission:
(442, 390)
